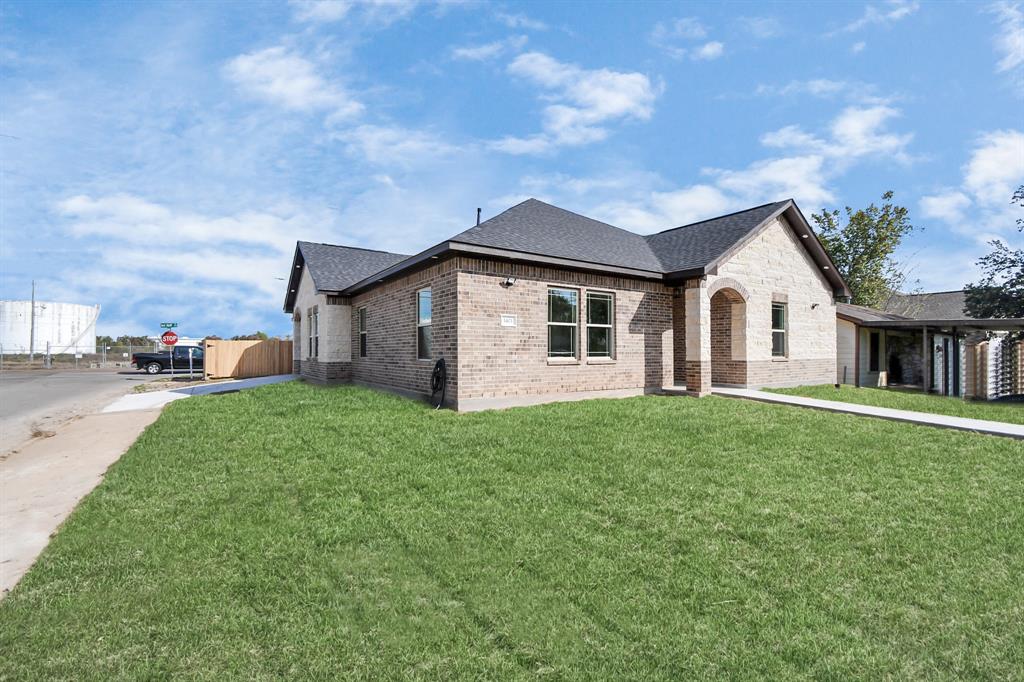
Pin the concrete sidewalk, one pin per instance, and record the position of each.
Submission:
(43, 482)
(157, 399)
(924, 418)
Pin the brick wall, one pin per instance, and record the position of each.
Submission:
(498, 361)
(724, 368)
(325, 372)
(679, 335)
(391, 332)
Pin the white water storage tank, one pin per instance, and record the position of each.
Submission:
(68, 327)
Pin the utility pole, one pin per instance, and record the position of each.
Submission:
(32, 327)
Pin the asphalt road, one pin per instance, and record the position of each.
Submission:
(43, 399)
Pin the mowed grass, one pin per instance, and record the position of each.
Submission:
(300, 532)
(906, 399)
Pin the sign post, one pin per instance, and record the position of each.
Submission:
(169, 338)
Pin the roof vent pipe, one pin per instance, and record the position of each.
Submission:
(478, 216)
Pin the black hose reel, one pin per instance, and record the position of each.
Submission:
(438, 382)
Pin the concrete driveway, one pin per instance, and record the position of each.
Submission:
(43, 399)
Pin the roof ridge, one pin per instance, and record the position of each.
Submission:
(559, 208)
(931, 293)
(357, 248)
(719, 217)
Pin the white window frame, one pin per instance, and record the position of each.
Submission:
(575, 325)
(610, 295)
(364, 345)
(420, 323)
(784, 330)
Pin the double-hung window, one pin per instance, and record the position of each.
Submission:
(563, 317)
(313, 320)
(424, 329)
(600, 324)
(780, 323)
(362, 332)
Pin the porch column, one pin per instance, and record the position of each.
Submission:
(926, 358)
(698, 337)
(956, 363)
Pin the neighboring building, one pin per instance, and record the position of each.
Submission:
(926, 341)
(539, 303)
(60, 327)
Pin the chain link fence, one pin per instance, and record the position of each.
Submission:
(104, 357)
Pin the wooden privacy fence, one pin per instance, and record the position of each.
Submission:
(246, 359)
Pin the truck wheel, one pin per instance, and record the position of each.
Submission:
(154, 368)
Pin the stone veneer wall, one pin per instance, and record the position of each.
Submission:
(775, 265)
(497, 361)
(391, 318)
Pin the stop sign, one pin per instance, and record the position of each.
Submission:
(168, 338)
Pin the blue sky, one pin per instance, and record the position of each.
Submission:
(161, 159)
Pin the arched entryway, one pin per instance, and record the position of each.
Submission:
(728, 337)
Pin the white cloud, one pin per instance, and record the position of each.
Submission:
(709, 51)
(129, 218)
(804, 174)
(996, 167)
(819, 87)
(372, 11)
(948, 206)
(535, 144)
(321, 10)
(584, 102)
(761, 27)
(520, 21)
(687, 28)
(994, 170)
(886, 15)
(490, 50)
(669, 36)
(858, 47)
(279, 76)
(1009, 40)
(826, 88)
(856, 132)
(387, 146)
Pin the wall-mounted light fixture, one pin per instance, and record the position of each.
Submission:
(509, 281)
(814, 305)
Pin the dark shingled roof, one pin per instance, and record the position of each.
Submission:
(334, 268)
(864, 314)
(941, 305)
(698, 244)
(534, 230)
(539, 228)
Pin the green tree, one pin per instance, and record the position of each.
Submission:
(863, 248)
(104, 341)
(256, 336)
(129, 340)
(1000, 293)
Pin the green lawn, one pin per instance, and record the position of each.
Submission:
(905, 399)
(300, 532)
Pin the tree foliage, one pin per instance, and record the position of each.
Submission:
(1000, 293)
(129, 340)
(256, 336)
(862, 247)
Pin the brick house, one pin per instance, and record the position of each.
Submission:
(539, 304)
